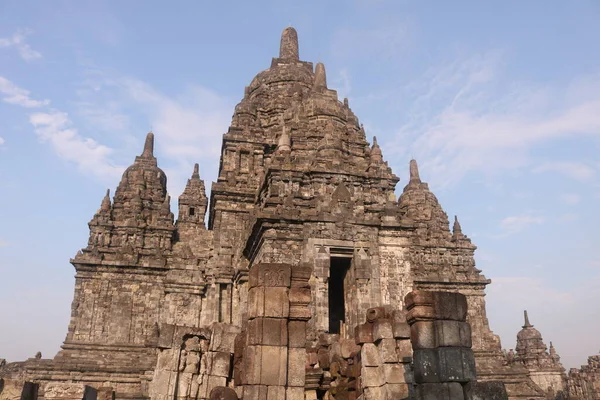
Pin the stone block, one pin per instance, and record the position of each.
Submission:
(376, 393)
(255, 392)
(165, 336)
(382, 329)
(268, 331)
(450, 333)
(422, 335)
(372, 376)
(215, 381)
(301, 275)
(221, 364)
(335, 351)
(251, 371)
(327, 339)
(106, 393)
(404, 350)
(387, 350)
(492, 390)
(270, 275)
(300, 295)
(323, 357)
(276, 302)
(299, 312)
(398, 391)
(294, 393)
(439, 391)
(297, 333)
(256, 302)
(418, 297)
(275, 392)
(296, 367)
(401, 330)
(223, 337)
(398, 315)
(313, 358)
(421, 313)
(273, 370)
(369, 355)
(363, 333)
(348, 347)
(310, 395)
(426, 366)
(64, 390)
(394, 373)
(456, 364)
(452, 306)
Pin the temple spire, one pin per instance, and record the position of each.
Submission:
(196, 173)
(289, 44)
(106, 201)
(527, 324)
(456, 228)
(320, 76)
(376, 155)
(149, 145)
(414, 172)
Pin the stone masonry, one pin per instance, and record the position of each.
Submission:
(310, 279)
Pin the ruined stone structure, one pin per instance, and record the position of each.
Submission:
(296, 287)
(543, 365)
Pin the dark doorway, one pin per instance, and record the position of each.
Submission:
(338, 268)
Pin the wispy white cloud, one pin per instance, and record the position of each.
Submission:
(2, 141)
(468, 118)
(575, 170)
(88, 155)
(517, 223)
(188, 127)
(3, 243)
(16, 95)
(17, 41)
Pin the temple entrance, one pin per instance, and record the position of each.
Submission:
(338, 268)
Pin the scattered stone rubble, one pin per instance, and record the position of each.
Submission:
(311, 281)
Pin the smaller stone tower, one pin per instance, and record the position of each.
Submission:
(544, 367)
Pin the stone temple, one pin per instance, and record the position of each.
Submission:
(310, 279)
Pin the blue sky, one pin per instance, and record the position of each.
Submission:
(498, 101)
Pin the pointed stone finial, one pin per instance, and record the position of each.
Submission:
(106, 201)
(346, 102)
(284, 143)
(149, 145)
(196, 173)
(527, 324)
(414, 172)
(376, 155)
(456, 228)
(320, 76)
(288, 48)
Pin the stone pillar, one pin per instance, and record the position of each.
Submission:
(300, 313)
(265, 358)
(444, 365)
